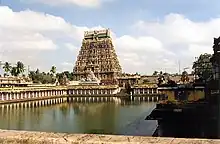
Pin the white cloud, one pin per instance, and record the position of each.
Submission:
(28, 35)
(148, 44)
(82, 3)
(66, 66)
(180, 36)
(40, 39)
(71, 47)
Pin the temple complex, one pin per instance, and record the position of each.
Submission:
(15, 81)
(97, 55)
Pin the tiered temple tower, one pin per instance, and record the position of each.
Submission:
(97, 54)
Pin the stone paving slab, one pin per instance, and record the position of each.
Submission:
(26, 137)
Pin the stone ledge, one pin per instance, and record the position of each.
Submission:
(25, 137)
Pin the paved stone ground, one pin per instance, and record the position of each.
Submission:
(24, 137)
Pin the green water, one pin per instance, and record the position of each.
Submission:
(107, 118)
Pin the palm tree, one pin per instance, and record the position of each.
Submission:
(14, 71)
(53, 70)
(155, 73)
(7, 67)
(20, 67)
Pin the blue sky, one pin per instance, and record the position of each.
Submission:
(148, 34)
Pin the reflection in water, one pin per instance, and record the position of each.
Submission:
(107, 118)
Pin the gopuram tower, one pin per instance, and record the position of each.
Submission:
(97, 54)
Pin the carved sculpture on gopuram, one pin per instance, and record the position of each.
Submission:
(97, 54)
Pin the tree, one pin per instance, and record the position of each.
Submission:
(203, 67)
(53, 70)
(37, 71)
(155, 73)
(14, 71)
(20, 68)
(166, 74)
(7, 67)
(184, 77)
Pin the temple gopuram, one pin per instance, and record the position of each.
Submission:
(97, 55)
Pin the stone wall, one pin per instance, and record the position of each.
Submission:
(24, 137)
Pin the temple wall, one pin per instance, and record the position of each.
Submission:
(24, 137)
(24, 94)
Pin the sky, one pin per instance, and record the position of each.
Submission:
(148, 35)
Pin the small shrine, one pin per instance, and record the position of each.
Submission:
(90, 79)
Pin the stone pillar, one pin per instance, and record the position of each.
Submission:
(73, 92)
(2, 96)
(10, 96)
(134, 91)
(143, 90)
(29, 94)
(152, 90)
(21, 94)
(17, 96)
(7, 96)
(93, 92)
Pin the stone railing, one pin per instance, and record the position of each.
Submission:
(32, 88)
(24, 137)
